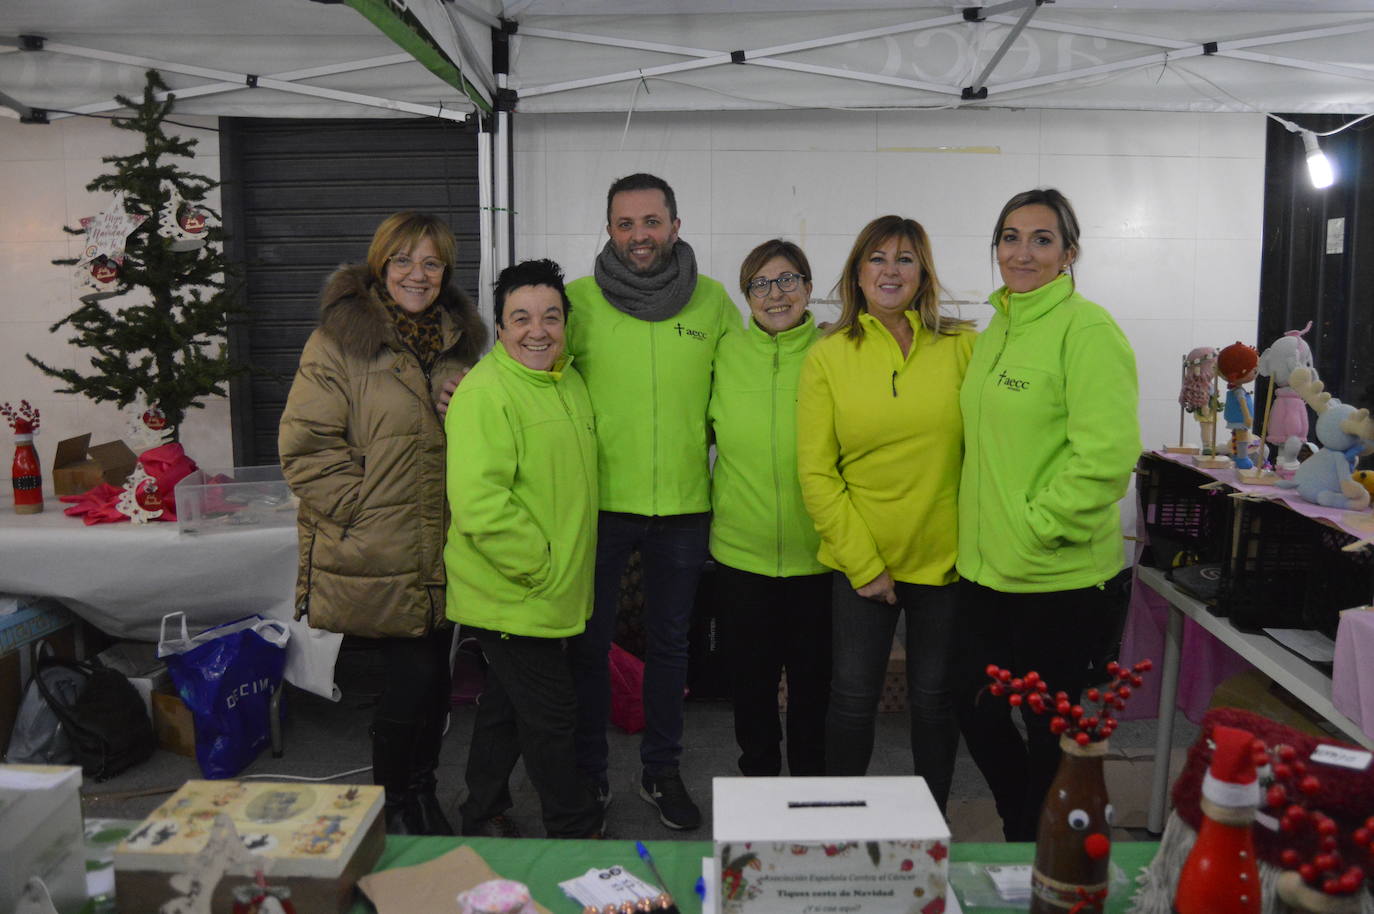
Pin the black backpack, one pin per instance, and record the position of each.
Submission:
(105, 720)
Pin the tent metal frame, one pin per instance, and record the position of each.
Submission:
(228, 81)
(980, 90)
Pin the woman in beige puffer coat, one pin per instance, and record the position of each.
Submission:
(362, 446)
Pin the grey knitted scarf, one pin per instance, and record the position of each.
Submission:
(655, 297)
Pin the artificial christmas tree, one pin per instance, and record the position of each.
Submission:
(168, 348)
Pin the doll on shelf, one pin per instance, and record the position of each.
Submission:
(1287, 417)
(1198, 394)
(1238, 364)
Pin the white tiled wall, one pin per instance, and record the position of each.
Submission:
(1170, 203)
(44, 170)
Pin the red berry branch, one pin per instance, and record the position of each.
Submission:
(1081, 725)
(24, 420)
(1317, 859)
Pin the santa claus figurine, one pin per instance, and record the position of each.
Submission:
(1220, 875)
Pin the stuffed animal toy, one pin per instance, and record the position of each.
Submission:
(1238, 363)
(1326, 478)
(1288, 415)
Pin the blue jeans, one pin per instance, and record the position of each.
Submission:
(862, 635)
(673, 551)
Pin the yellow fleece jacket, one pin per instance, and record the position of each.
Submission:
(879, 447)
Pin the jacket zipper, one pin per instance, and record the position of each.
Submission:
(773, 447)
(653, 426)
(982, 397)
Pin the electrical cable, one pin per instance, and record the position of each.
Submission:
(300, 777)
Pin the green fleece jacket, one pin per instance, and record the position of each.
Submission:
(879, 442)
(1050, 437)
(650, 383)
(521, 483)
(759, 523)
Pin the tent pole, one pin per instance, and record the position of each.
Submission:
(503, 227)
(486, 275)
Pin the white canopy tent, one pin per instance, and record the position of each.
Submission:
(297, 58)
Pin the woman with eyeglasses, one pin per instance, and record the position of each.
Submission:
(879, 443)
(773, 594)
(362, 446)
(1050, 439)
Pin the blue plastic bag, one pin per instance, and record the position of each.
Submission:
(226, 675)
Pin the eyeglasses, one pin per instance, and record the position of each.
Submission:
(403, 264)
(787, 282)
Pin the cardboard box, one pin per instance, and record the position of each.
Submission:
(77, 467)
(173, 723)
(869, 845)
(41, 834)
(317, 840)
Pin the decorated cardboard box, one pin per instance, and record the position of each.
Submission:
(41, 833)
(77, 467)
(311, 841)
(870, 845)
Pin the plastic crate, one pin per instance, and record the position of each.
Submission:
(1185, 524)
(1337, 580)
(1265, 580)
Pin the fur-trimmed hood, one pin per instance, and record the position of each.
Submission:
(352, 314)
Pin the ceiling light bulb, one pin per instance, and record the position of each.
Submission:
(1318, 165)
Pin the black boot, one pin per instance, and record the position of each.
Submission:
(393, 754)
(429, 812)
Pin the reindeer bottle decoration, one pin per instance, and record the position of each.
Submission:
(1072, 843)
(26, 472)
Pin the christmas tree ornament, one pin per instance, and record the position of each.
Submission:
(1073, 841)
(140, 501)
(98, 279)
(108, 233)
(147, 426)
(1222, 875)
(26, 472)
(185, 225)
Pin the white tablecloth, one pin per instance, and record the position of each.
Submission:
(122, 578)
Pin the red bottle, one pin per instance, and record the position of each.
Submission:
(1220, 875)
(26, 472)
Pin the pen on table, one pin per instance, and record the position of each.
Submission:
(653, 868)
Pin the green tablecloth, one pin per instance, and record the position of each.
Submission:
(541, 864)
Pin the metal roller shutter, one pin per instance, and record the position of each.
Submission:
(302, 197)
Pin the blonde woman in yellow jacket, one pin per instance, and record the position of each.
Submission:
(879, 446)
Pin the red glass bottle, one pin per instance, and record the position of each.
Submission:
(27, 475)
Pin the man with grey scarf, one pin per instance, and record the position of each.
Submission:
(643, 331)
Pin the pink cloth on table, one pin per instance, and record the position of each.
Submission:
(1288, 416)
(1352, 682)
(1203, 665)
(1336, 517)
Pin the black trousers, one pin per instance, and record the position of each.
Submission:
(528, 709)
(417, 683)
(770, 625)
(1054, 634)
